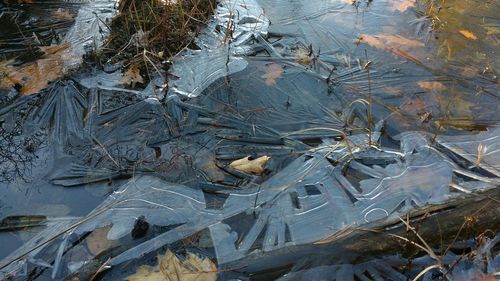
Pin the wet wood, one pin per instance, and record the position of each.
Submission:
(462, 218)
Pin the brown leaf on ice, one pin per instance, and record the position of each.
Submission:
(273, 72)
(132, 76)
(35, 76)
(431, 86)
(468, 34)
(170, 268)
(255, 166)
(97, 241)
(402, 5)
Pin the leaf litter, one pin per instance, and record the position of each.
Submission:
(171, 268)
(36, 76)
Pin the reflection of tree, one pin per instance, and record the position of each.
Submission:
(17, 152)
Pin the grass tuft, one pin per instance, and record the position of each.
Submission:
(146, 32)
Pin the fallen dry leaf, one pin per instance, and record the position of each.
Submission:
(273, 72)
(468, 34)
(132, 76)
(97, 241)
(431, 86)
(170, 268)
(255, 166)
(35, 76)
(402, 5)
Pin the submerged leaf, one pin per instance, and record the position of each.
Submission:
(97, 241)
(170, 268)
(402, 5)
(431, 86)
(410, 49)
(34, 77)
(468, 34)
(255, 166)
(273, 72)
(388, 41)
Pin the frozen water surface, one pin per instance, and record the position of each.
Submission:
(369, 110)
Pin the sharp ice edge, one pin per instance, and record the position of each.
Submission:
(219, 56)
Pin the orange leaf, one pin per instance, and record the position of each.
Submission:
(388, 41)
(402, 5)
(35, 76)
(468, 34)
(410, 49)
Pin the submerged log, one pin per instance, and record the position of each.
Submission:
(440, 226)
